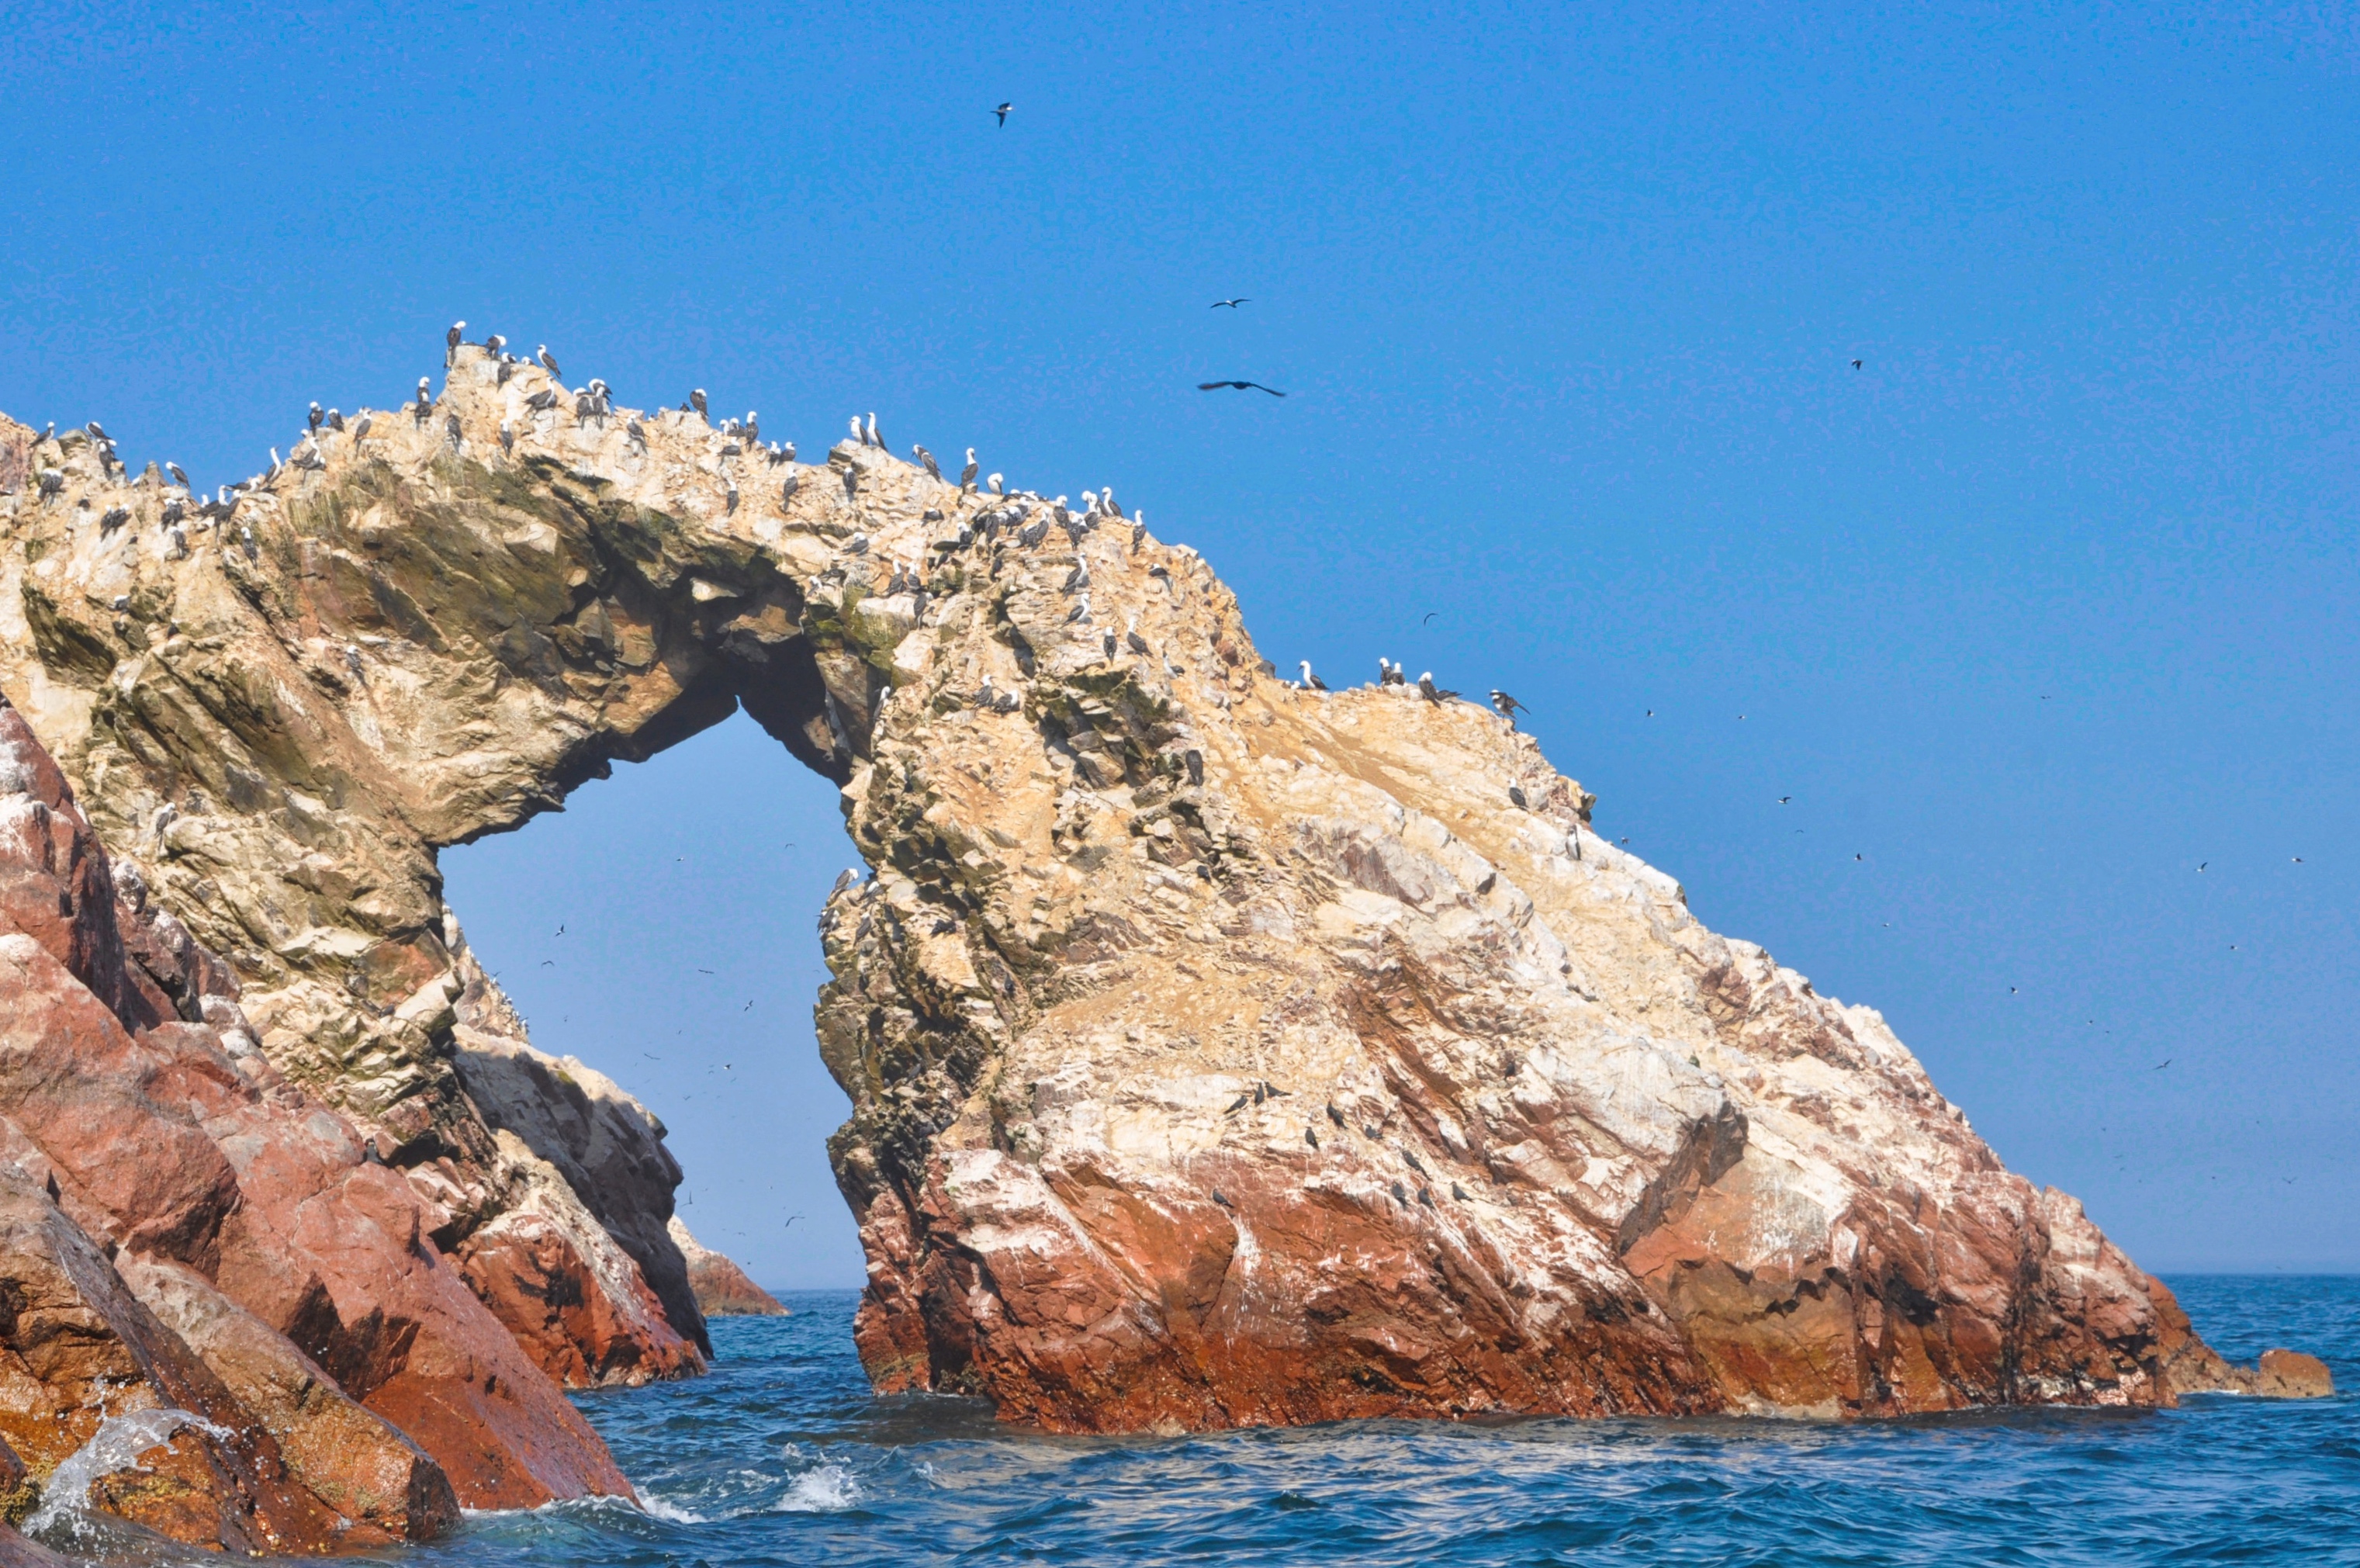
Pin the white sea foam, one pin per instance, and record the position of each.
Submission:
(826, 1489)
(116, 1446)
(670, 1513)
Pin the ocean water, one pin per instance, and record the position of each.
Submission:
(780, 1456)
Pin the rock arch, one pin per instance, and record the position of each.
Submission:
(1221, 1052)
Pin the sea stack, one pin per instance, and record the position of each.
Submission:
(1129, 930)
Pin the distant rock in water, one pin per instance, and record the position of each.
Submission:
(723, 1290)
(1139, 917)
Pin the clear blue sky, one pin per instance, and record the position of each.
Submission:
(2049, 602)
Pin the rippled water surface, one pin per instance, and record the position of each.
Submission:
(782, 1457)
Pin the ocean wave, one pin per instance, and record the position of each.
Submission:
(828, 1488)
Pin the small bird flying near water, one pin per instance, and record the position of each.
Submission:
(1239, 386)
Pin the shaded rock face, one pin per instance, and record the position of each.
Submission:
(723, 1290)
(1221, 1052)
(217, 1319)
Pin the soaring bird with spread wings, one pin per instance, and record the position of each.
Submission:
(1239, 386)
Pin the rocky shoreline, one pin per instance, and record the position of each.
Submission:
(1222, 1052)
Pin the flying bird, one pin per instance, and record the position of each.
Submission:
(1855, 364)
(1239, 386)
(1231, 304)
(1784, 799)
(1002, 112)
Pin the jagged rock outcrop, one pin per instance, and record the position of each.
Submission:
(723, 1290)
(1221, 1052)
(217, 1318)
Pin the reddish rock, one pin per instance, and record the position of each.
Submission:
(251, 1211)
(723, 1290)
(2290, 1375)
(574, 1299)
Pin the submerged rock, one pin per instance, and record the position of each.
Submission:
(1221, 1052)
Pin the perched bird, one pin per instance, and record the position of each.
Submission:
(548, 361)
(1239, 386)
(966, 475)
(696, 400)
(98, 434)
(1310, 680)
(870, 435)
(730, 502)
(508, 436)
(1516, 797)
(1507, 706)
(1221, 1198)
(450, 428)
(495, 342)
(1230, 305)
(1311, 1137)
(753, 426)
(336, 419)
(859, 439)
(1109, 643)
(425, 395)
(1425, 1196)
(1390, 674)
(542, 400)
(1459, 1192)
(998, 485)
(1401, 1194)
(638, 432)
(1240, 1103)
(315, 416)
(1414, 1164)
(180, 476)
(450, 341)
(276, 465)
(1432, 693)
(1003, 111)
(1138, 644)
(1335, 1116)
(926, 457)
(361, 425)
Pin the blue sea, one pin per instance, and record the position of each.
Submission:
(780, 1456)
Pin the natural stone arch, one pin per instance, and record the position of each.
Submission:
(1220, 1052)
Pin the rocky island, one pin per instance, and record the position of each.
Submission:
(1221, 1051)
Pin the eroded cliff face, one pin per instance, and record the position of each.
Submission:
(1221, 1052)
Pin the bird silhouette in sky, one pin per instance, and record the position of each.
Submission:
(1239, 386)
(1231, 304)
(2164, 1063)
(1855, 364)
(1002, 112)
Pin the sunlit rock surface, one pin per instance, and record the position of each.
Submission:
(1221, 1052)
